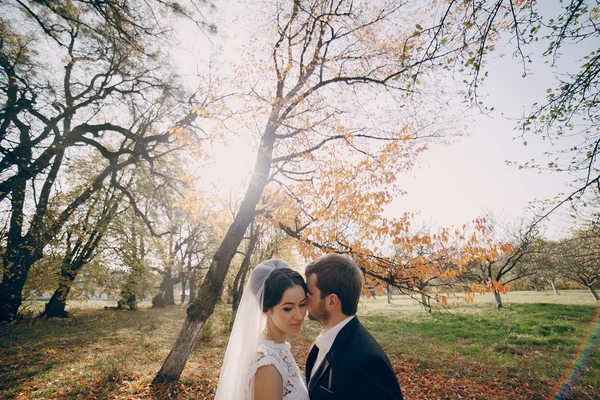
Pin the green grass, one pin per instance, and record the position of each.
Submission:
(532, 343)
(478, 352)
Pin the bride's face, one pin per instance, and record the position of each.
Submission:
(288, 315)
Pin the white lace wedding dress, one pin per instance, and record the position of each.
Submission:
(279, 355)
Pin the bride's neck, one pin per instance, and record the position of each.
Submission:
(274, 334)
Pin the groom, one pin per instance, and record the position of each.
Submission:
(345, 361)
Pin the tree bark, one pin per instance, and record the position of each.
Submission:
(553, 286)
(424, 299)
(389, 293)
(240, 278)
(16, 261)
(169, 296)
(55, 308)
(183, 285)
(593, 292)
(179, 354)
(166, 288)
(193, 286)
(16, 267)
(498, 299)
(208, 294)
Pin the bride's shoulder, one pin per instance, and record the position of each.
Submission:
(271, 353)
(267, 349)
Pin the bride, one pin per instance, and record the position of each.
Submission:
(258, 363)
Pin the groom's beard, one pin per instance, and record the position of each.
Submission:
(320, 314)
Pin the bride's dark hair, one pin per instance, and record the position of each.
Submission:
(278, 282)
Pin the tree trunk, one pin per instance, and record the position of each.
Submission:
(167, 288)
(183, 285)
(593, 292)
(55, 308)
(11, 289)
(237, 294)
(136, 262)
(498, 299)
(208, 294)
(240, 278)
(166, 296)
(128, 297)
(193, 286)
(73, 262)
(424, 299)
(553, 286)
(202, 307)
(175, 362)
(389, 294)
(16, 260)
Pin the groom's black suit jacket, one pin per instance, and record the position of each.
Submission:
(356, 367)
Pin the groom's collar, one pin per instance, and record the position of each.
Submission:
(327, 336)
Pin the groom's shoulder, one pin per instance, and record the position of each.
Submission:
(367, 351)
(364, 339)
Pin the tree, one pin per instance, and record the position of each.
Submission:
(506, 261)
(187, 231)
(321, 136)
(130, 240)
(579, 260)
(82, 240)
(544, 265)
(78, 79)
(434, 263)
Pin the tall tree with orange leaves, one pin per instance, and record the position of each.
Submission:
(340, 96)
(503, 257)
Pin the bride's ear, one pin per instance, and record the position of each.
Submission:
(269, 313)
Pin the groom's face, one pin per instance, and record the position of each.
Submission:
(316, 305)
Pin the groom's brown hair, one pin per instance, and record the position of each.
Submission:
(338, 274)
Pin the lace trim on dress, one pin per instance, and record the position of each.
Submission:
(279, 355)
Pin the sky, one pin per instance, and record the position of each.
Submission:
(457, 183)
(454, 184)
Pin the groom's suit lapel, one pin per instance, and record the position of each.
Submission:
(310, 361)
(338, 345)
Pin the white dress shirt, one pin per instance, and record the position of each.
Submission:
(325, 340)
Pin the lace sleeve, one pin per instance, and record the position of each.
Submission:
(266, 357)
(278, 354)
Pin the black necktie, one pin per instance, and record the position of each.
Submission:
(310, 361)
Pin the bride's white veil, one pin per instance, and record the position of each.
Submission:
(249, 322)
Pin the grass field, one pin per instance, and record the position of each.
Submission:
(522, 351)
